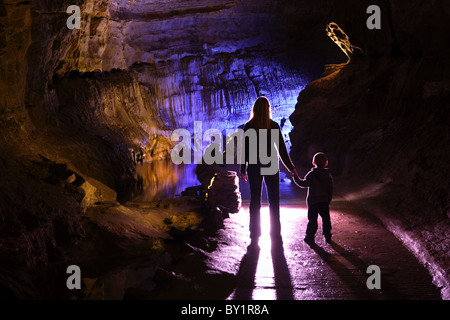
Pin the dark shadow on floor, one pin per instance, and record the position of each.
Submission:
(247, 271)
(283, 282)
(355, 279)
(387, 291)
(350, 279)
(245, 278)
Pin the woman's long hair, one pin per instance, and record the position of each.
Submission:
(261, 114)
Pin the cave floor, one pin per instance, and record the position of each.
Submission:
(336, 271)
(218, 264)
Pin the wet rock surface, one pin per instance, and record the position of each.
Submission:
(123, 247)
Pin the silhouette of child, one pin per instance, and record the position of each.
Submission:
(320, 190)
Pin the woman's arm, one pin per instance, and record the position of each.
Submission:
(282, 150)
(244, 156)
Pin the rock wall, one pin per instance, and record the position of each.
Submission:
(383, 120)
(137, 70)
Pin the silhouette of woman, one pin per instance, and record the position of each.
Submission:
(252, 172)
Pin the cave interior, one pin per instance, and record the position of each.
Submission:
(79, 106)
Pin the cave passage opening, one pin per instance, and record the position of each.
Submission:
(219, 95)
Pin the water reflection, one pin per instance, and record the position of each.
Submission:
(163, 179)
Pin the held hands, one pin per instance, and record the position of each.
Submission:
(294, 174)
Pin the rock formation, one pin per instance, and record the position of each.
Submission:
(224, 192)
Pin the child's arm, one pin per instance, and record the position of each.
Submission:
(302, 183)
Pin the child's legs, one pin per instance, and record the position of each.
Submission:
(311, 228)
(324, 211)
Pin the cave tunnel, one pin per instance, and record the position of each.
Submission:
(95, 94)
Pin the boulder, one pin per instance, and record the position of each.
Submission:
(224, 191)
